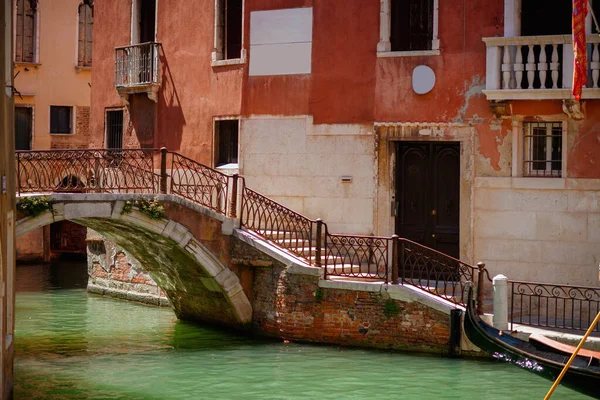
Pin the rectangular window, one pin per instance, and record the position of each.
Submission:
(61, 119)
(86, 29)
(114, 129)
(542, 149)
(226, 142)
(411, 25)
(25, 31)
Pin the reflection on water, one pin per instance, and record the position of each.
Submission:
(70, 345)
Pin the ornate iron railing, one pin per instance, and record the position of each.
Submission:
(368, 257)
(199, 183)
(357, 256)
(137, 65)
(436, 272)
(553, 306)
(279, 224)
(90, 170)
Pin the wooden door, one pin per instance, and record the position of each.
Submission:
(23, 125)
(428, 194)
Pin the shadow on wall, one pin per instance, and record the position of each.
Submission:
(170, 117)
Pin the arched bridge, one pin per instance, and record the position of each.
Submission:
(188, 250)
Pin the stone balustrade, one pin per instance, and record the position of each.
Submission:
(537, 67)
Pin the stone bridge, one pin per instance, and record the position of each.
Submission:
(227, 255)
(186, 253)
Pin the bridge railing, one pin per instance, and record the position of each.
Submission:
(552, 305)
(89, 170)
(391, 259)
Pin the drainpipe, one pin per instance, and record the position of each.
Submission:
(500, 283)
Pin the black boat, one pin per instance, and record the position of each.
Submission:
(583, 375)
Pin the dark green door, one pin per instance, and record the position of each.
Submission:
(23, 124)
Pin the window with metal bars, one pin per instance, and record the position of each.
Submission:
(114, 129)
(411, 25)
(542, 155)
(25, 27)
(226, 142)
(86, 29)
(61, 119)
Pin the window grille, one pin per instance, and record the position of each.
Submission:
(86, 29)
(25, 31)
(61, 119)
(114, 129)
(411, 25)
(543, 149)
(226, 142)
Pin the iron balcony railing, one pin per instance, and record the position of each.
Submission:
(553, 306)
(137, 65)
(390, 259)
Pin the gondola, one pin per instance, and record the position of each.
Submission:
(583, 375)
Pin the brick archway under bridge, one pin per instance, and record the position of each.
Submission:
(186, 252)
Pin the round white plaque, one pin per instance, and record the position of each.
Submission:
(423, 79)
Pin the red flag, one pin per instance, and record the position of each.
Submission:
(580, 10)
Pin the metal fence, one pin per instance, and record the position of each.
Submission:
(137, 64)
(553, 306)
(90, 170)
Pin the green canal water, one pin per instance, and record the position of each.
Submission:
(71, 345)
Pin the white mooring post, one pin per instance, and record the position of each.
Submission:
(500, 283)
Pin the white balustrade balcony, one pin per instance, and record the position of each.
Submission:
(537, 68)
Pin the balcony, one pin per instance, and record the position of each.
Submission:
(137, 70)
(537, 68)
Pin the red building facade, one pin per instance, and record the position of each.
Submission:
(450, 123)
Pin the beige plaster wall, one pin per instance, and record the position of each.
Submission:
(301, 165)
(55, 79)
(535, 229)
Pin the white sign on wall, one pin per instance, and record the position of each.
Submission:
(281, 41)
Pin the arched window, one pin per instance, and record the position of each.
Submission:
(86, 28)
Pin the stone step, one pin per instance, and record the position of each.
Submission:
(284, 235)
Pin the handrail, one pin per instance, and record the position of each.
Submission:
(553, 305)
(132, 170)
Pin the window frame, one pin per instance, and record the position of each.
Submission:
(218, 56)
(79, 63)
(123, 124)
(384, 47)
(529, 138)
(519, 149)
(36, 36)
(216, 142)
(71, 120)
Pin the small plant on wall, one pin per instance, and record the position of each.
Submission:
(390, 308)
(150, 207)
(34, 206)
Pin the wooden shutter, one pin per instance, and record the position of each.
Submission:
(86, 28)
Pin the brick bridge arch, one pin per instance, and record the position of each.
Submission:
(186, 252)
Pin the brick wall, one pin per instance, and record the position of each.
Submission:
(294, 307)
(81, 138)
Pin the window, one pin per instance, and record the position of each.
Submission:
(61, 119)
(542, 149)
(114, 129)
(226, 142)
(86, 28)
(409, 26)
(228, 30)
(26, 31)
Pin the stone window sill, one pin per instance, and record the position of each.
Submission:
(80, 68)
(386, 54)
(234, 61)
(27, 64)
